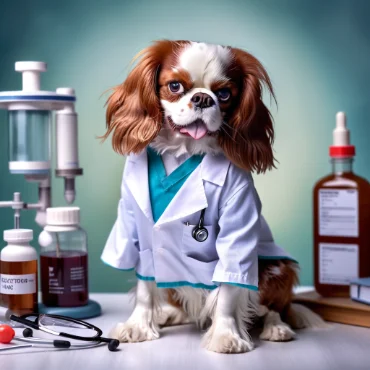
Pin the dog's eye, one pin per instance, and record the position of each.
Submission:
(223, 95)
(176, 87)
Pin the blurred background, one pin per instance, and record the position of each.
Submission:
(316, 52)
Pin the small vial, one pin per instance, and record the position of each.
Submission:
(18, 272)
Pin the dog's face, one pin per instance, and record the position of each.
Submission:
(194, 96)
(196, 89)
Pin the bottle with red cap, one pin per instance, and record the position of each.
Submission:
(341, 220)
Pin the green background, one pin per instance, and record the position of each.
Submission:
(316, 52)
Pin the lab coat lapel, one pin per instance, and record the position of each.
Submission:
(137, 182)
(191, 197)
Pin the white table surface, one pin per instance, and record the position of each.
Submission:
(343, 347)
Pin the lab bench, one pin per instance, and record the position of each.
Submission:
(341, 347)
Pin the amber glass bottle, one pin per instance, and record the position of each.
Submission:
(341, 223)
(18, 272)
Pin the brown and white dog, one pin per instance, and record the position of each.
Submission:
(187, 98)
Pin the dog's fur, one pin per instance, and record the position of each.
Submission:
(145, 110)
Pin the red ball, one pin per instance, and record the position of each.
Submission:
(7, 333)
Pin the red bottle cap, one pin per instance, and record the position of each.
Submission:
(347, 151)
(341, 147)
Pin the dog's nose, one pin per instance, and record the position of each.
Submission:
(202, 100)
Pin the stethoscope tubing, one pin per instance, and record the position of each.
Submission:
(16, 346)
(56, 343)
(36, 326)
(112, 343)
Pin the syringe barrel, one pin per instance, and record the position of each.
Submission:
(66, 140)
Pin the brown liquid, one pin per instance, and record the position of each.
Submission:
(19, 303)
(64, 279)
(344, 181)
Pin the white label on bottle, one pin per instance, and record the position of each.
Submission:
(338, 212)
(338, 263)
(17, 284)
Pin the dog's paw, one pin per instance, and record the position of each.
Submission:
(229, 343)
(138, 328)
(277, 333)
(133, 332)
(223, 337)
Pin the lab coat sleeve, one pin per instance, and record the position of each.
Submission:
(237, 240)
(122, 247)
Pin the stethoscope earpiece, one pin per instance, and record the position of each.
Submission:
(113, 345)
(200, 233)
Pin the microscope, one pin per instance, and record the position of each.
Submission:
(30, 113)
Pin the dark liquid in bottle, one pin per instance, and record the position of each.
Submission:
(344, 181)
(64, 279)
(20, 304)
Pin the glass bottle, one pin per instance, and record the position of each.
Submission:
(63, 259)
(341, 221)
(18, 272)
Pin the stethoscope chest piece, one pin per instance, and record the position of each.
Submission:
(200, 233)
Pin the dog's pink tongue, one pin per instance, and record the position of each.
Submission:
(196, 130)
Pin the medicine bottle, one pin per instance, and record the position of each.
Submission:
(18, 272)
(341, 220)
(63, 259)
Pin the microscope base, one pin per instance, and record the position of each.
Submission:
(92, 309)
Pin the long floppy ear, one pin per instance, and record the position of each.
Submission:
(248, 136)
(134, 113)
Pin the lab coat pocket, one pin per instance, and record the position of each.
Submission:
(202, 252)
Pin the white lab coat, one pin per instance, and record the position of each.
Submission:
(166, 252)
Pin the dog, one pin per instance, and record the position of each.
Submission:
(186, 100)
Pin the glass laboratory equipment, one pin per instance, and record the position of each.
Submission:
(30, 116)
(63, 259)
(29, 141)
(31, 113)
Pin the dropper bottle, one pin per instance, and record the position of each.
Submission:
(341, 220)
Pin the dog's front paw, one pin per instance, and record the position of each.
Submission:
(223, 337)
(229, 343)
(277, 333)
(138, 328)
(133, 332)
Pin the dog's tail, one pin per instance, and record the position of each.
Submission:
(300, 317)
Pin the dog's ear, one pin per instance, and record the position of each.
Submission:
(134, 113)
(247, 139)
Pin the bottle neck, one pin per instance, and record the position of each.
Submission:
(342, 165)
(19, 244)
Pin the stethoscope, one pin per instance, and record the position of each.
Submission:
(94, 339)
(200, 233)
